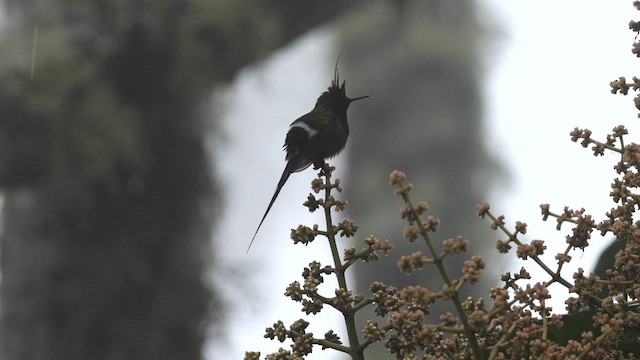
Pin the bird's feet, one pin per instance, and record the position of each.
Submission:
(319, 164)
(326, 169)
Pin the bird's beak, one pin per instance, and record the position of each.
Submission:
(358, 98)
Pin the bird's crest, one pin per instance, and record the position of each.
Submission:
(340, 90)
(336, 95)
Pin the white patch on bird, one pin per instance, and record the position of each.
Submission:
(311, 131)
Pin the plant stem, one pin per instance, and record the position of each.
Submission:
(512, 237)
(438, 261)
(356, 351)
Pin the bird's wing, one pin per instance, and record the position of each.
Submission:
(297, 139)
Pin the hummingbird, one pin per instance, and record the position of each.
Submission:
(318, 135)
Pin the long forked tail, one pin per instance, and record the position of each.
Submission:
(283, 179)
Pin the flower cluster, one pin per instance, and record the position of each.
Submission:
(313, 300)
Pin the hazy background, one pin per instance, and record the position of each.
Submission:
(138, 160)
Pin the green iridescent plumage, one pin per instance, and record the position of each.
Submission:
(321, 134)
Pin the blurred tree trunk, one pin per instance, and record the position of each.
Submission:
(108, 197)
(422, 61)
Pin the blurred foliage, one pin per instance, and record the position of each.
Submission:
(90, 130)
(583, 321)
(108, 195)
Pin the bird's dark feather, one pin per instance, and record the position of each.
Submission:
(283, 179)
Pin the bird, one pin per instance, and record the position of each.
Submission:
(318, 135)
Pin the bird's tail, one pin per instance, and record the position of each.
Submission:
(283, 179)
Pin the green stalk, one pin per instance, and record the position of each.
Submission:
(356, 352)
(438, 261)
